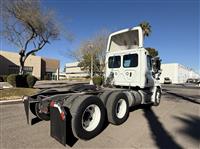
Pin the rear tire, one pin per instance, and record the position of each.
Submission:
(117, 108)
(88, 116)
(104, 96)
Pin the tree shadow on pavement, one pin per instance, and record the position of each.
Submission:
(161, 137)
(192, 126)
(183, 97)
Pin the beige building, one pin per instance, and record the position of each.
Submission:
(73, 71)
(40, 67)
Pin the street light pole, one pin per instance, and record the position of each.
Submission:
(91, 64)
(91, 71)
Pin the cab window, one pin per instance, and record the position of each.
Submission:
(114, 62)
(130, 60)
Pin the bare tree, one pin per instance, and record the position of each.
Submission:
(27, 26)
(95, 49)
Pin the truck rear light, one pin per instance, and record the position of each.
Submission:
(62, 116)
(52, 103)
(62, 113)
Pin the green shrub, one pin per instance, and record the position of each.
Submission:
(12, 79)
(31, 80)
(98, 80)
(21, 80)
(3, 78)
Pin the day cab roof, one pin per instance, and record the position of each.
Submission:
(125, 39)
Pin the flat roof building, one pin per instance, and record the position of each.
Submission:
(177, 73)
(72, 70)
(40, 67)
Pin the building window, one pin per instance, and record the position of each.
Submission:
(114, 62)
(130, 60)
(28, 70)
(14, 69)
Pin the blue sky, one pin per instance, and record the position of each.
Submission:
(175, 26)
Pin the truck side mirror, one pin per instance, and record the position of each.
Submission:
(158, 63)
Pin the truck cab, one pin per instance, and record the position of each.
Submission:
(128, 64)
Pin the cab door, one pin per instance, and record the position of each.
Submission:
(114, 68)
(130, 68)
(149, 76)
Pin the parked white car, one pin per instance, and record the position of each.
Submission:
(167, 80)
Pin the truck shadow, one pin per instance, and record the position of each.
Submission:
(161, 137)
(191, 126)
(35, 120)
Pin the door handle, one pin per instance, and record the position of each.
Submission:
(130, 74)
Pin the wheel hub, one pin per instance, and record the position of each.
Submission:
(121, 108)
(158, 96)
(91, 117)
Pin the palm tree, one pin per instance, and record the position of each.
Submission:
(146, 28)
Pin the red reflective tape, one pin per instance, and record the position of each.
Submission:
(62, 115)
(52, 103)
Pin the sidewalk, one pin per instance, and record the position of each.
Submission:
(14, 101)
(5, 85)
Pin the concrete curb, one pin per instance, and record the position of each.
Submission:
(14, 101)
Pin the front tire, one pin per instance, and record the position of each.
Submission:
(88, 116)
(117, 108)
(157, 97)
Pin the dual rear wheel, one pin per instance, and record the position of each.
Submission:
(89, 114)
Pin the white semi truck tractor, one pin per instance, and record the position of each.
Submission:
(131, 78)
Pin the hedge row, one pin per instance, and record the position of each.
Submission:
(21, 80)
(3, 78)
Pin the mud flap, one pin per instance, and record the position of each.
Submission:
(60, 129)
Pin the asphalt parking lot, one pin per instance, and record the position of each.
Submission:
(174, 124)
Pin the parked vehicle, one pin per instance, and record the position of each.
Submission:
(129, 81)
(192, 82)
(167, 80)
